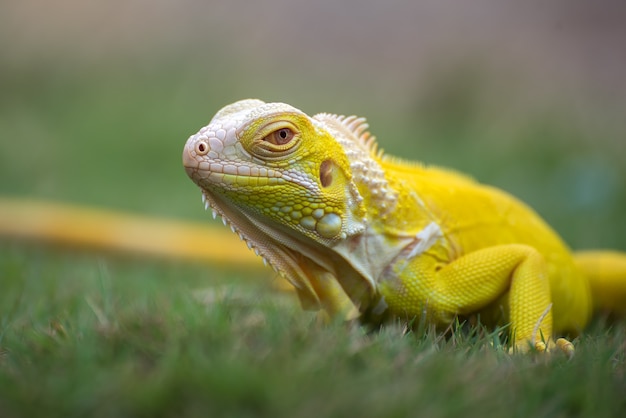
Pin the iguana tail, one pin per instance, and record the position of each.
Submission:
(606, 271)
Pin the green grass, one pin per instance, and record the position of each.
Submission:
(87, 335)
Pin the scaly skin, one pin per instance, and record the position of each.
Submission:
(364, 235)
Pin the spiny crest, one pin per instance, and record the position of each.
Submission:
(358, 128)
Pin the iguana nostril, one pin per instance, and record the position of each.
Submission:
(202, 148)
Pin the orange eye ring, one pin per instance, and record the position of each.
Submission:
(275, 139)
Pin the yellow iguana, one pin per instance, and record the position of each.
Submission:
(360, 234)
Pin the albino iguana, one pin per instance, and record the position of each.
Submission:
(361, 234)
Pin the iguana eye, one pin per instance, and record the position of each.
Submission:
(276, 139)
(280, 136)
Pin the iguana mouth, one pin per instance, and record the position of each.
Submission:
(217, 167)
(226, 174)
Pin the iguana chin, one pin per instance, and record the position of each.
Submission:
(362, 234)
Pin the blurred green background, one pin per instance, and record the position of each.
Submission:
(98, 98)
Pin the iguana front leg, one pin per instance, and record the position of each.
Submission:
(324, 293)
(471, 282)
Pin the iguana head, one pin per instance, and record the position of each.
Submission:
(291, 185)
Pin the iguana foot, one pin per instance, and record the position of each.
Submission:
(566, 347)
(562, 344)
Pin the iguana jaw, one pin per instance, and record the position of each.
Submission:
(283, 249)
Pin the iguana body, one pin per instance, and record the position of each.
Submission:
(362, 234)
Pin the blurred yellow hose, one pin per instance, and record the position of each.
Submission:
(62, 224)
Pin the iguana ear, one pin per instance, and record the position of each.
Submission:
(366, 173)
(326, 172)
